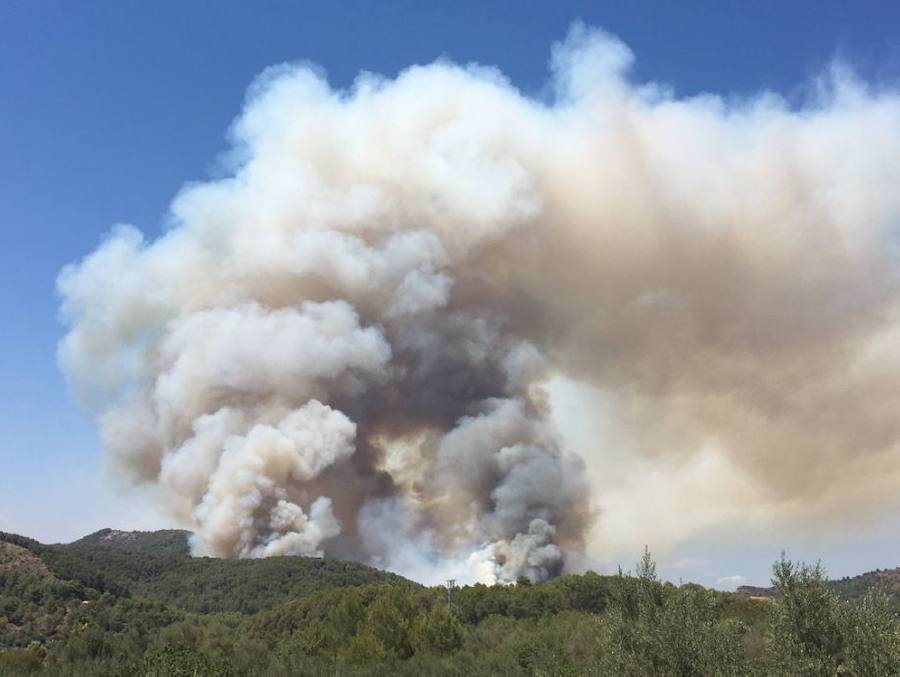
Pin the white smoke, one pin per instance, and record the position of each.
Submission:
(247, 508)
(342, 347)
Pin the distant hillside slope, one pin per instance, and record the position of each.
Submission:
(120, 603)
(17, 558)
(157, 565)
(169, 541)
(856, 587)
(849, 587)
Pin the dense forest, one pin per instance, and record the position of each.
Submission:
(851, 587)
(118, 603)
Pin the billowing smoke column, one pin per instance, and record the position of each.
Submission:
(341, 347)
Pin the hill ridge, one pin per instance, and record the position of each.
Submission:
(158, 565)
(849, 587)
(174, 540)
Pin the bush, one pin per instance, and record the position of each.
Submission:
(816, 633)
(436, 632)
(30, 659)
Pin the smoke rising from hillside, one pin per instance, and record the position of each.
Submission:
(343, 346)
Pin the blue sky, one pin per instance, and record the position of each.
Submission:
(107, 108)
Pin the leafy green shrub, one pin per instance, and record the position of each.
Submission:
(30, 659)
(814, 632)
(436, 632)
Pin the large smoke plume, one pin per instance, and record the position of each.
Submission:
(343, 346)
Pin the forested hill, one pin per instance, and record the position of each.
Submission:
(157, 565)
(171, 541)
(137, 604)
(849, 587)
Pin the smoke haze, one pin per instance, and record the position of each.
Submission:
(361, 341)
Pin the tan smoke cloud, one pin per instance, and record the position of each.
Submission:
(342, 346)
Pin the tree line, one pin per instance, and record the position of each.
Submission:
(627, 624)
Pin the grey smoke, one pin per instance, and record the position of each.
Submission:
(344, 346)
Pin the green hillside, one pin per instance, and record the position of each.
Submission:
(857, 587)
(853, 588)
(133, 603)
(157, 565)
(164, 541)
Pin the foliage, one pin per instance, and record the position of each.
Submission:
(159, 567)
(118, 613)
(814, 632)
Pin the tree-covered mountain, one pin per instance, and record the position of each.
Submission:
(849, 587)
(136, 603)
(157, 565)
(163, 541)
